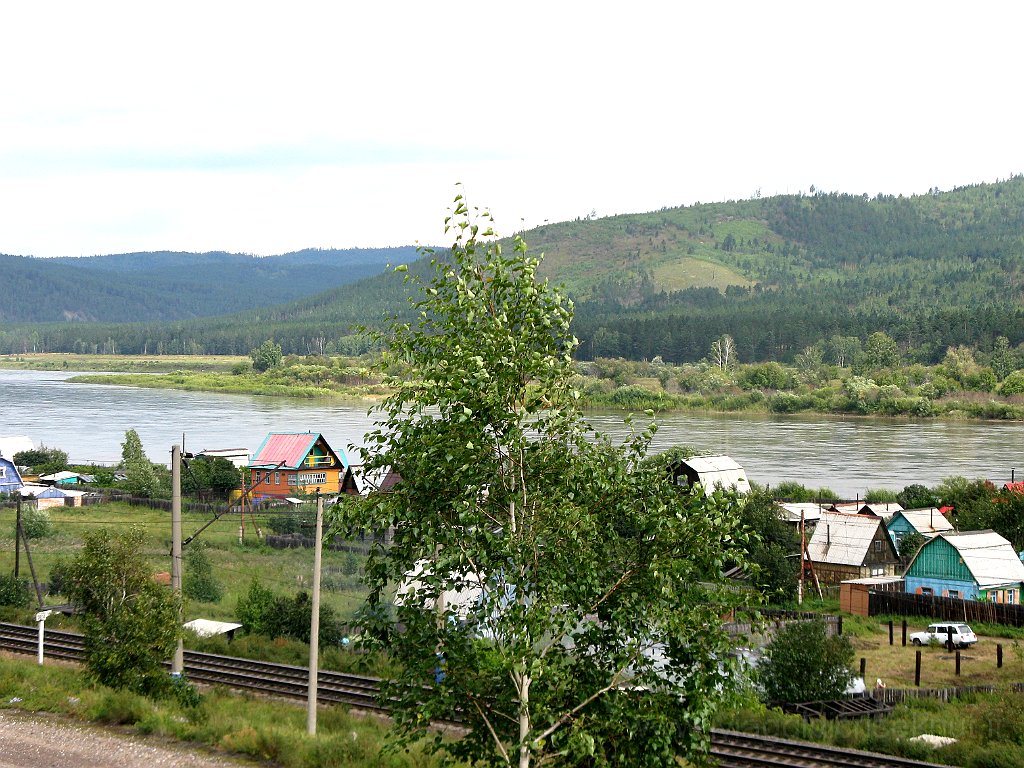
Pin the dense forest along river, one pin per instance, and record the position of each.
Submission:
(849, 456)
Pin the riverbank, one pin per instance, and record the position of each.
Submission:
(251, 384)
(917, 392)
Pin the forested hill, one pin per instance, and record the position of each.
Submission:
(169, 285)
(778, 274)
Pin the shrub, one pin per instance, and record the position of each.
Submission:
(14, 591)
(199, 582)
(1012, 384)
(803, 663)
(35, 523)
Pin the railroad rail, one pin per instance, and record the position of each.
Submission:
(731, 749)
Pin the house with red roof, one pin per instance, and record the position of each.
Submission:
(295, 463)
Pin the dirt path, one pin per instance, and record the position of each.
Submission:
(47, 741)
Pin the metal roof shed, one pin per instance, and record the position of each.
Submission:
(711, 472)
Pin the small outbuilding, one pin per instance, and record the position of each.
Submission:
(711, 472)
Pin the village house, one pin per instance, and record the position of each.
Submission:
(10, 478)
(971, 565)
(926, 522)
(291, 463)
(851, 547)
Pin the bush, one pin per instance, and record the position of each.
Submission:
(35, 523)
(199, 582)
(58, 582)
(14, 591)
(262, 612)
(803, 663)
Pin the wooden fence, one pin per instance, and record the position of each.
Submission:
(944, 608)
(899, 695)
(771, 620)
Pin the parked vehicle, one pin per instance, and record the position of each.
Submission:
(961, 635)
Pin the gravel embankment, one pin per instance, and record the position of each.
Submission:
(48, 741)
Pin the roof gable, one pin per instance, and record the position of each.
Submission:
(290, 450)
(713, 472)
(924, 521)
(843, 539)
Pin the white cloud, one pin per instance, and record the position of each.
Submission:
(260, 127)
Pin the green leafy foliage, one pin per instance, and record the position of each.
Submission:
(582, 569)
(916, 496)
(198, 582)
(42, 460)
(35, 522)
(261, 612)
(266, 356)
(210, 477)
(804, 663)
(14, 591)
(770, 553)
(140, 477)
(130, 622)
(909, 544)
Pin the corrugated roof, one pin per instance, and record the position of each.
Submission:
(284, 449)
(841, 539)
(989, 557)
(927, 521)
(881, 509)
(810, 510)
(715, 471)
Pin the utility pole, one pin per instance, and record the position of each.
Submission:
(314, 623)
(17, 538)
(178, 662)
(803, 550)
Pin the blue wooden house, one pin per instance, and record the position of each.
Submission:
(972, 565)
(926, 522)
(10, 478)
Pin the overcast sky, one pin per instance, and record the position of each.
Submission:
(269, 127)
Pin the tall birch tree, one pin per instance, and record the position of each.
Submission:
(568, 598)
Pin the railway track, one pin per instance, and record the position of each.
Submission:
(731, 749)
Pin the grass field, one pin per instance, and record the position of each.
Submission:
(894, 664)
(235, 563)
(120, 363)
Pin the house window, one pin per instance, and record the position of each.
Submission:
(1011, 596)
(3, 472)
(878, 571)
(277, 478)
(308, 478)
(955, 593)
(927, 591)
(878, 546)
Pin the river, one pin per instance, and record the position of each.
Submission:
(847, 455)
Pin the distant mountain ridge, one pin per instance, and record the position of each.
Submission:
(172, 285)
(778, 274)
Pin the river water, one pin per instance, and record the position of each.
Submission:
(847, 455)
